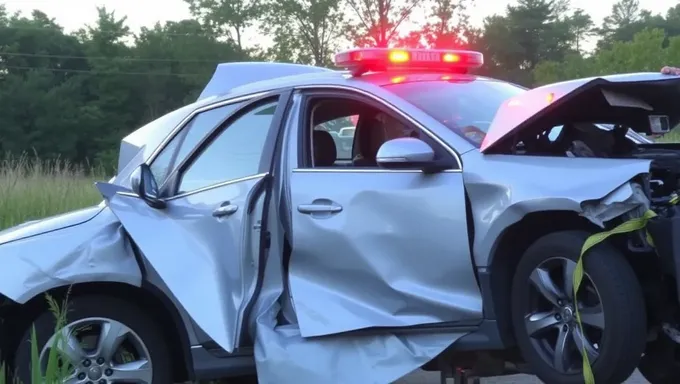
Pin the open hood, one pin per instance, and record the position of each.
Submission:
(616, 99)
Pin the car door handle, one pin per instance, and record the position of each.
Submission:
(225, 209)
(319, 208)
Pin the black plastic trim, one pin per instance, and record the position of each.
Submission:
(665, 232)
(486, 337)
(484, 280)
(207, 366)
(453, 326)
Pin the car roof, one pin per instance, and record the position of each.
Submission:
(239, 79)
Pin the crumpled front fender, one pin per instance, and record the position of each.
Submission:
(94, 250)
(504, 188)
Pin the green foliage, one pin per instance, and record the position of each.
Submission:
(649, 50)
(56, 369)
(32, 189)
(305, 31)
(74, 96)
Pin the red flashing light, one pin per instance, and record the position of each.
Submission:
(399, 56)
(359, 61)
(450, 58)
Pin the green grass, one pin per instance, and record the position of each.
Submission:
(33, 189)
(55, 371)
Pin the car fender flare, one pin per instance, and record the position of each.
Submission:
(619, 201)
(95, 251)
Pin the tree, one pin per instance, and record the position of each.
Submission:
(377, 22)
(648, 51)
(305, 31)
(230, 18)
(624, 12)
(180, 57)
(41, 79)
(625, 20)
(582, 26)
(448, 23)
(531, 32)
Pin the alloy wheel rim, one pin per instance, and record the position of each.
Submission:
(551, 320)
(100, 351)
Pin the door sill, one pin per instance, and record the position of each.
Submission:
(208, 366)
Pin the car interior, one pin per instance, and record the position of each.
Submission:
(372, 130)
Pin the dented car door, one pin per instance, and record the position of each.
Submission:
(378, 248)
(201, 240)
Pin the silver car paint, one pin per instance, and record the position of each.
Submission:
(359, 248)
(500, 195)
(283, 355)
(37, 227)
(97, 250)
(209, 249)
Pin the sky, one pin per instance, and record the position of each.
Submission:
(73, 14)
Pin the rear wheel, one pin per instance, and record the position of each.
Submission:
(106, 340)
(610, 303)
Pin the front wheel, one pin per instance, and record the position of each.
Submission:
(610, 303)
(106, 340)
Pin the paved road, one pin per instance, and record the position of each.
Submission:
(421, 377)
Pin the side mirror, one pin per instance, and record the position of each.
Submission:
(405, 152)
(144, 185)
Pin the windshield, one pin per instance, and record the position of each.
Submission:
(467, 107)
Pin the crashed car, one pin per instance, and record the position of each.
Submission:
(235, 241)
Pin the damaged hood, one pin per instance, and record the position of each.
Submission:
(627, 98)
(38, 227)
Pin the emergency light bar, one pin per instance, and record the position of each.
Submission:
(360, 61)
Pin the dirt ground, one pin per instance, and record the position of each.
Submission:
(421, 377)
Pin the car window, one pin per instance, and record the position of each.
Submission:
(181, 145)
(359, 135)
(342, 132)
(465, 107)
(234, 153)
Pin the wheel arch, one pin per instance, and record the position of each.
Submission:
(17, 317)
(506, 254)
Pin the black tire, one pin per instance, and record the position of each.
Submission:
(84, 307)
(661, 362)
(623, 338)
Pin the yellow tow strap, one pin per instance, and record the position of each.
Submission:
(628, 226)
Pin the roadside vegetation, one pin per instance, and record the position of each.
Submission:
(55, 370)
(32, 189)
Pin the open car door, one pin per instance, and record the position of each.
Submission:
(204, 241)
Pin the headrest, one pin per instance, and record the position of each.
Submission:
(325, 152)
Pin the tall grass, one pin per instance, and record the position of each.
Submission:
(57, 369)
(31, 188)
